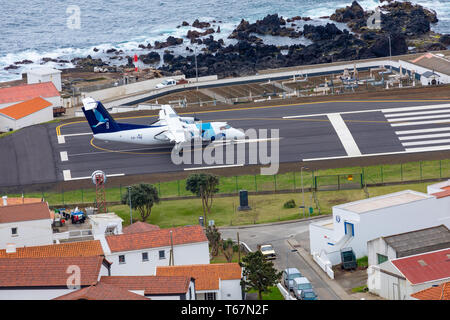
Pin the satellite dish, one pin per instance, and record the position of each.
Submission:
(96, 174)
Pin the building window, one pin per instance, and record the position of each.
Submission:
(14, 232)
(122, 259)
(381, 258)
(211, 296)
(162, 254)
(144, 256)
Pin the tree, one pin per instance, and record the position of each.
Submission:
(228, 249)
(143, 196)
(204, 185)
(259, 273)
(214, 239)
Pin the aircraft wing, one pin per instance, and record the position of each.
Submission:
(176, 131)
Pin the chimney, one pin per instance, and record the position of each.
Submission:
(5, 200)
(11, 248)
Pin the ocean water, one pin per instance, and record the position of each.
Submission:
(43, 28)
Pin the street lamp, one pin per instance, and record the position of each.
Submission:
(196, 69)
(303, 190)
(287, 267)
(129, 200)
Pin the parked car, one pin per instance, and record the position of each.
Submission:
(166, 83)
(293, 274)
(303, 289)
(267, 251)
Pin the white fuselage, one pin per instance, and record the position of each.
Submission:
(146, 136)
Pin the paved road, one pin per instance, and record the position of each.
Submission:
(307, 131)
(277, 235)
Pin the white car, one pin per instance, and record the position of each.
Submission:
(166, 83)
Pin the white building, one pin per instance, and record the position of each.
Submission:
(105, 224)
(155, 287)
(397, 279)
(24, 114)
(140, 253)
(217, 281)
(16, 94)
(27, 224)
(406, 244)
(355, 223)
(43, 74)
(49, 277)
(433, 69)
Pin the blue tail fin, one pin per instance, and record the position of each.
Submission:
(98, 117)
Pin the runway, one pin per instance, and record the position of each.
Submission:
(307, 132)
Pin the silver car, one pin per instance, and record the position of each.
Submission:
(303, 289)
(293, 273)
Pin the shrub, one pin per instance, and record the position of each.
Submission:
(289, 204)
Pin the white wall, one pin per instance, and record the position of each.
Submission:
(40, 116)
(195, 253)
(420, 70)
(230, 290)
(32, 294)
(379, 246)
(37, 78)
(30, 233)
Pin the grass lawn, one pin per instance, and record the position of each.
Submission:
(360, 289)
(220, 258)
(363, 262)
(274, 294)
(265, 208)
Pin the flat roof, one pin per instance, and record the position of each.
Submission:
(385, 201)
(419, 241)
(44, 71)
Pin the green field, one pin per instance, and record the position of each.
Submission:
(265, 208)
(330, 179)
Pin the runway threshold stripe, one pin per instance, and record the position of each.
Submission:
(64, 156)
(436, 106)
(405, 114)
(422, 130)
(214, 167)
(418, 143)
(424, 136)
(61, 139)
(439, 116)
(67, 176)
(344, 134)
(426, 149)
(414, 123)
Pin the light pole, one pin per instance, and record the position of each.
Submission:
(287, 268)
(196, 69)
(129, 200)
(303, 190)
(390, 51)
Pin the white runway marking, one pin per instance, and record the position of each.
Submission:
(439, 116)
(436, 106)
(61, 139)
(78, 134)
(422, 130)
(67, 176)
(64, 156)
(426, 149)
(215, 167)
(425, 136)
(344, 134)
(418, 143)
(405, 114)
(415, 123)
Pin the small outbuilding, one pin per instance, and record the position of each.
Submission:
(24, 114)
(43, 74)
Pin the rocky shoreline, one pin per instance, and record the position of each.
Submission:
(408, 26)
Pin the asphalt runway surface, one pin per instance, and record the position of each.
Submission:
(307, 132)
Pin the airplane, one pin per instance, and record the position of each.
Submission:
(169, 130)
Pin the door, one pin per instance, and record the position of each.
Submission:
(349, 229)
(395, 291)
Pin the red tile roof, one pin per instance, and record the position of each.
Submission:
(206, 275)
(11, 201)
(139, 226)
(27, 92)
(25, 108)
(69, 249)
(152, 285)
(441, 194)
(156, 238)
(425, 267)
(24, 212)
(48, 272)
(441, 292)
(102, 291)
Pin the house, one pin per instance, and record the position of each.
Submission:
(43, 74)
(68, 249)
(432, 68)
(134, 254)
(24, 114)
(354, 224)
(27, 224)
(398, 279)
(46, 278)
(156, 287)
(440, 292)
(139, 226)
(101, 291)
(21, 93)
(406, 244)
(218, 281)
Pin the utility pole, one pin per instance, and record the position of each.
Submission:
(239, 248)
(303, 190)
(129, 200)
(196, 69)
(390, 51)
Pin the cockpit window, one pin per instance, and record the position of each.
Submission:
(225, 127)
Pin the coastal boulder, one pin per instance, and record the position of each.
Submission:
(201, 25)
(349, 13)
(381, 46)
(445, 39)
(150, 58)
